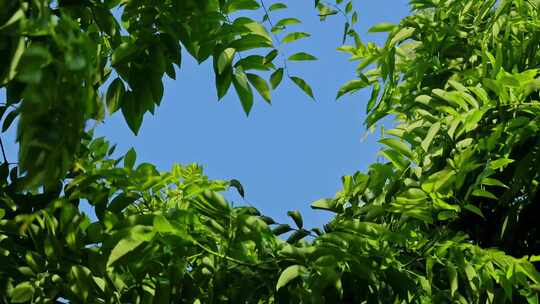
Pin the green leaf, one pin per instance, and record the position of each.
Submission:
(291, 37)
(432, 132)
(225, 59)
(115, 93)
(9, 119)
(14, 62)
(438, 180)
(215, 199)
(325, 204)
(453, 278)
(18, 15)
(382, 27)
(302, 56)
(493, 182)
(351, 87)
(287, 21)
(260, 85)
(236, 184)
(484, 193)
(474, 210)
(243, 89)
(500, 163)
(249, 42)
(399, 146)
(297, 218)
(396, 158)
(276, 77)
(123, 52)
(129, 159)
(258, 29)
(472, 119)
(253, 62)
(137, 235)
(401, 35)
(297, 236)
(281, 229)
(348, 7)
(223, 82)
(373, 97)
(132, 112)
(277, 6)
(23, 292)
(302, 84)
(270, 56)
(289, 274)
(162, 225)
(238, 5)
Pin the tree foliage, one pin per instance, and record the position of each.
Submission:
(448, 218)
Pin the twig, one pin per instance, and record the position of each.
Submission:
(267, 13)
(208, 250)
(3, 151)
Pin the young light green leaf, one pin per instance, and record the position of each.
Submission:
(260, 85)
(500, 163)
(302, 84)
(289, 274)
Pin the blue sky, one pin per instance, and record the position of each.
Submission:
(286, 155)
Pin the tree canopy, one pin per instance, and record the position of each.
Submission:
(448, 217)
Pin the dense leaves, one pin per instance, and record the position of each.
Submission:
(448, 217)
(59, 56)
